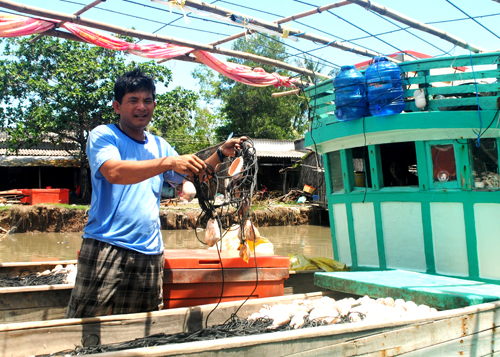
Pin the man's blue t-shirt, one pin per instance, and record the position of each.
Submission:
(126, 216)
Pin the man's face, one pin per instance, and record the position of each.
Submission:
(136, 109)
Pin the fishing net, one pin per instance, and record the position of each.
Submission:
(33, 279)
(233, 327)
(236, 185)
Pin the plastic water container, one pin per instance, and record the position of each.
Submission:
(385, 93)
(350, 94)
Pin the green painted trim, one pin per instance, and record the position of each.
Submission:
(406, 125)
(347, 170)
(332, 229)
(486, 103)
(465, 88)
(375, 167)
(446, 62)
(464, 171)
(471, 239)
(428, 239)
(352, 239)
(451, 77)
(389, 194)
(320, 86)
(423, 173)
(328, 178)
(380, 235)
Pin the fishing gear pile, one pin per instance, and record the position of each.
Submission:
(225, 194)
(234, 327)
(300, 314)
(58, 275)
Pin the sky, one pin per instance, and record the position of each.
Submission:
(352, 23)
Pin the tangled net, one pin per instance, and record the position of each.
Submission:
(33, 279)
(233, 327)
(238, 189)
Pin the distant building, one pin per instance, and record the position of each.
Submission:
(283, 164)
(39, 166)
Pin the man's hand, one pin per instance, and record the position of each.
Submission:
(228, 148)
(187, 164)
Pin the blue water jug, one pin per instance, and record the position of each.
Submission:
(383, 81)
(350, 94)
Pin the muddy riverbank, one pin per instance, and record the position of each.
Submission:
(50, 218)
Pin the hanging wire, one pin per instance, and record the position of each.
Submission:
(477, 22)
(238, 188)
(361, 29)
(478, 140)
(407, 31)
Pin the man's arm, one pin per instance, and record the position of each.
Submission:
(126, 172)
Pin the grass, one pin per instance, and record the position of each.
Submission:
(82, 207)
(4, 208)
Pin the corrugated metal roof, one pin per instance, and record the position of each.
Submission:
(277, 148)
(39, 152)
(281, 154)
(46, 148)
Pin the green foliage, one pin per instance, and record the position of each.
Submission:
(66, 87)
(193, 135)
(61, 87)
(251, 111)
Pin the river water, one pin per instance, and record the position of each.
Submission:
(312, 241)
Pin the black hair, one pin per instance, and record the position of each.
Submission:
(133, 81)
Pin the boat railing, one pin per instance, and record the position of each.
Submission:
(449, 83)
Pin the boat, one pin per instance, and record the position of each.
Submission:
(434, 242)
(443, 225)
(49, 302)
(464, 331)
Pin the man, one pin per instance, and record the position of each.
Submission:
(120, 264)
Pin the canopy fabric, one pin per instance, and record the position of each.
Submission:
(252, 76)
(13, 26)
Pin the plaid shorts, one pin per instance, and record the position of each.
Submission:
(115, 280)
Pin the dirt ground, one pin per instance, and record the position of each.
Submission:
(51, 218)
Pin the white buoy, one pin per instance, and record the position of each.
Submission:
(420, 100)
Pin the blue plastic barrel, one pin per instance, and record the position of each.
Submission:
(350, 94)
(385, 94)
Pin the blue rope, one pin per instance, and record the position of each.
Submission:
(477, 22)
(478, 140)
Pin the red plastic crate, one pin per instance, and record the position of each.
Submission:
(194, 277)
(35, 196)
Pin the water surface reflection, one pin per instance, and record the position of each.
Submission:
(312, 241)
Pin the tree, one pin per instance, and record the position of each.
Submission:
(66, 88)
(193, 136)
(251, 111)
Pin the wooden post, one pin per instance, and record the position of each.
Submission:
(79, 12)
(277, 28)
(288, 19)
(382, 10)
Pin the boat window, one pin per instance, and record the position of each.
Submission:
(399, 164)
(361, 163)
(444, 168)
(485, 164)
(335, 169)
